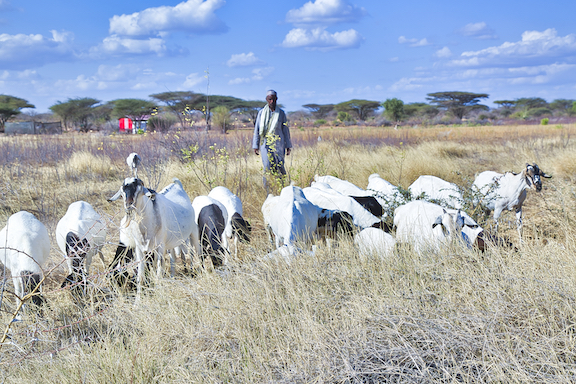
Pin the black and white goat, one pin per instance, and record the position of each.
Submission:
(155, 222)
(211, 218)
(24, 248)
(80, 234)
(237, 228)
(508, 191)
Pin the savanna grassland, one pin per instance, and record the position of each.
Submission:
(505, 315)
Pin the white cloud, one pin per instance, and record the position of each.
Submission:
(478, 31)
(194, 16)
(444, 52)
(257, 74)
(35, 50)
(413, 42)
(116, 45)
(325, 12)
(120, 72)
(320, 39)
(536, 47)
(243, 60)
(192, 80)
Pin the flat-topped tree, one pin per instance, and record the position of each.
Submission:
(179, 102)
(362, 109)
(319, 111)
(458, 103)
(79, 111)
(11, 106)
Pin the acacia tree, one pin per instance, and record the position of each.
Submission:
(361, 108)
(319, 111)
(136, 109)
(78, 112)
(394, 109)
(180, 103)
(11, 106)
(251, 108)
(458, 103)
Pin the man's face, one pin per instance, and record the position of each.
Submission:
(271, 100)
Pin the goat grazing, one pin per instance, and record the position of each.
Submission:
(290, 216)
(508, 191)
(323, 196)
(80, 234)
(155, 222)
(435, 188)
(24, 248)
(374, 241)
(211, 218)
(426, 224)
(237, 228)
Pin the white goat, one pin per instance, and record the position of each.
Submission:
(290, 216)
(508, 191)
(211, 217)
(81, 222)
(437, 189)
(155, 222)
(368, 199)
(24, 248)
(343, 186)
(237, 228)
(133, 160)
(427, 225)
(384, 189)
(323, 196)
(374, 241)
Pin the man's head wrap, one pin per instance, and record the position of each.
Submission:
(271, 92)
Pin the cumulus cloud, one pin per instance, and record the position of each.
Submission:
(444, 52)
(413, 42)
(325, 12)
(35, 50)
(115, 45)
(478, 30)
(192, 80)
(322, 40)
(193, 16)
(257, 74)
(535, 48)
(243, 60)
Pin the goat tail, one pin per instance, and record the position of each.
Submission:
(175, 180)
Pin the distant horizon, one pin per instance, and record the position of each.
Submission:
(320, 51)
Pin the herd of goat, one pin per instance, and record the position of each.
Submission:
(168, 222)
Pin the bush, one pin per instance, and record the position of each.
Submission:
(319, 122)
(544, 121)
(161, 123)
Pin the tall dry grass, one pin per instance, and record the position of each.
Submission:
(455, 316)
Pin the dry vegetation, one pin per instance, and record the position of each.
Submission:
(456, 316)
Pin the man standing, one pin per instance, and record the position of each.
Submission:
(272, 138)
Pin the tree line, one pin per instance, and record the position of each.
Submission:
(185, 108)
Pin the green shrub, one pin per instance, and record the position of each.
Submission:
(319, 122)
(544, 121)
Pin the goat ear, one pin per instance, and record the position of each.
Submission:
(438, 221)
(116, 196)
(545, 175)
(151, 195)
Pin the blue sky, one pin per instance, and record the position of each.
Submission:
(321, 51)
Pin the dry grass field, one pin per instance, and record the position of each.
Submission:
(505, 315)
